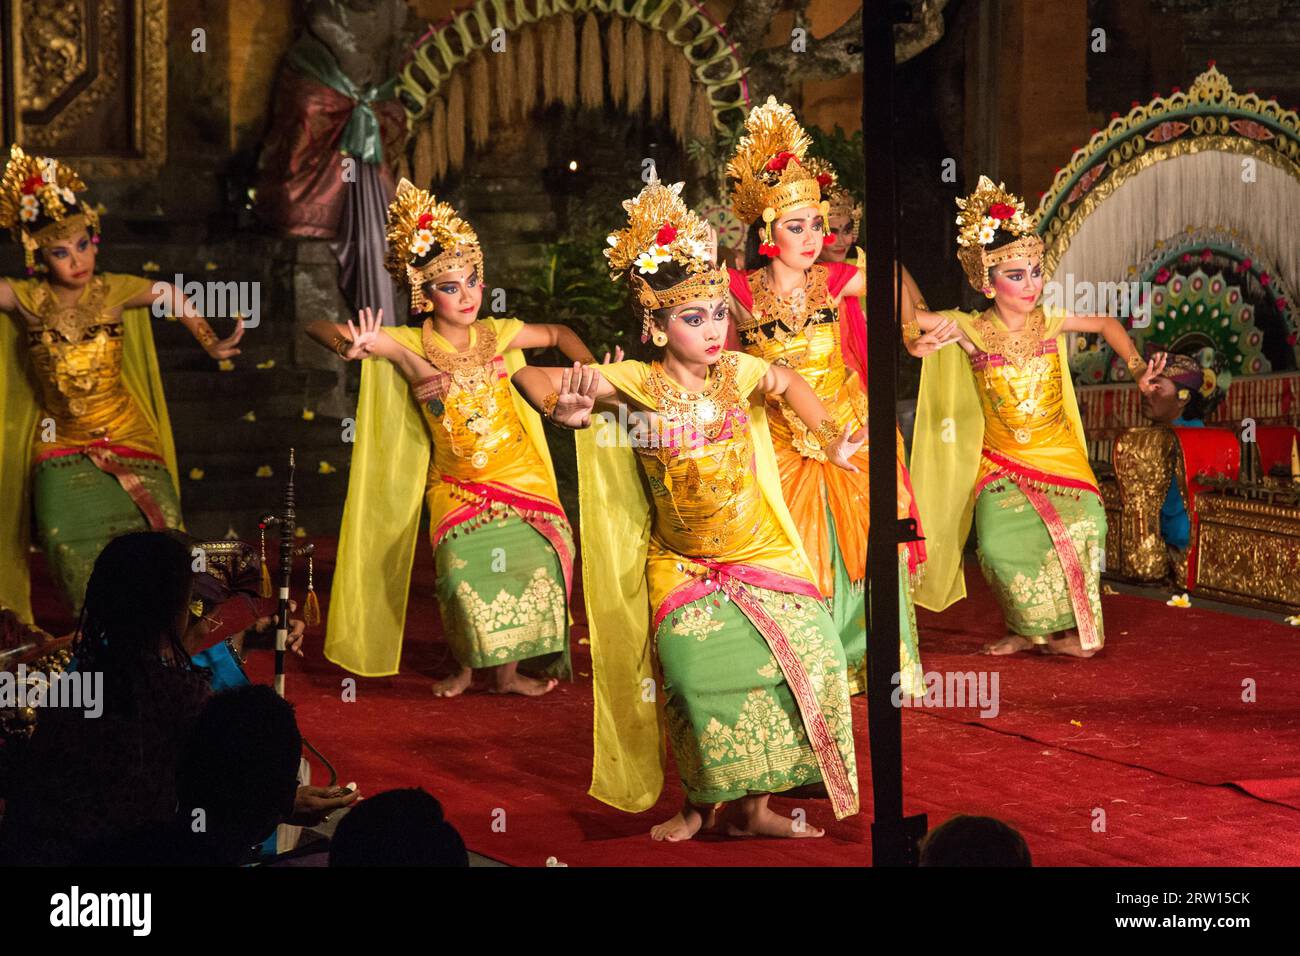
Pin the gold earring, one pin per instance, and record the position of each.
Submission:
(659, 337)
(990, 294)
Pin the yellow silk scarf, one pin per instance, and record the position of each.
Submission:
(616, 517)
(946, 450)
(19, 409)
(381, 517)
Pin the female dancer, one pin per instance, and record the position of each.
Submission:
(998, 432)
(793, 312)
(696, 586)
(86, 443)
(439, 421)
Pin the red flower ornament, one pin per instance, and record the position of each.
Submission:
(666, 234)
(1001, 210)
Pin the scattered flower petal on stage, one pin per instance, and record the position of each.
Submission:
(1179, 600)
(583, 640)
(264, 471)
(325, 468)
(308, 415)
(196, 474)
(151, 267)
(210, 266)
(250, 416)
(300, 532)
(552, 861)
(1294, 620)
(226, 365)
(269, 363)
(1077, 723)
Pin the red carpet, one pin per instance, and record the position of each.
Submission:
(1115, 761)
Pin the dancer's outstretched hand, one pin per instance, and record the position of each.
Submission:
(1147, 380)
(939, 336)
(227, 347)
(617, 357)
(845, 447)
(365, 334)
(577, 396)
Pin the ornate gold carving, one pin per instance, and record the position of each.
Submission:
(69, 61)
(1144, 466)
(1249, 551)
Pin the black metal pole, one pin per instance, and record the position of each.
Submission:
(893, 840)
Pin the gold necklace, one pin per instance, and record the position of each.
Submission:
(72, 323)
(471, 389)
(792, 311)
(705, 411)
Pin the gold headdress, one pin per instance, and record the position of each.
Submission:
(419, 226)
(661, 229)
(840, 200)
(768, 172)
(38, 203)
(985, 211)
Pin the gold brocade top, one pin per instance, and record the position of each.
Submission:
(76, 356)
(476, 431)
(802, 332)
(699, 465)
(1019, 379)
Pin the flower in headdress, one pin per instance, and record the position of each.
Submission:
(30, 208)
(647, 264)
(425, 221)
(67, 195)
(1001, 210)
(780, 161)
(612, 239)
(986, 234)
(31, 184)
(661, 253)
(666, 234)
(421, 243)
(824, 180)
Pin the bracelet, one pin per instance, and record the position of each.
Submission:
(826, 433)
(1136, 367)
(911, 331)
(341, 345)
(549, 403)
(204, 334)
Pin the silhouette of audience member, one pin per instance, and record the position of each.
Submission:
(397, 828)
(974, 841)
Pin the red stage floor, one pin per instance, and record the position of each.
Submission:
(1145, 755)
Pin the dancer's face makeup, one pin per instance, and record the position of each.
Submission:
(697, 331)
(799, 236)
(839, 240)
(1017, 284)
(456, 296)
(71, 262)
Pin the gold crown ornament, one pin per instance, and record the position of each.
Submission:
(660, 229)
(985, 211)
(426, 238)
(39, 205)
(768, 172)
(840, 201)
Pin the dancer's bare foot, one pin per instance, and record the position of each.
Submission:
(453, 685)
(506, 679)
(1068, 643)
(1011, 644)
(751, 816)
(684, 825)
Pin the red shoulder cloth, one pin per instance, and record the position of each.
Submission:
(838, 275)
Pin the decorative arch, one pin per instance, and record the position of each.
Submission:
(1177, 160)
(716, 76)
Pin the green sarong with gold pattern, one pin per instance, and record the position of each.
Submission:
(500, 592)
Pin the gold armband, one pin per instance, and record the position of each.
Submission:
(826, 433)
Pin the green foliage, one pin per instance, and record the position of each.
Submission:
(572, 287)
(846, 153)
